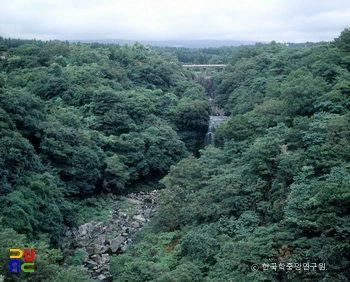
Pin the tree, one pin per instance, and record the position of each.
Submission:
(299, 92)
(52, 49)
(192, 114)
(342, 42)
(116, 174)
(25, 110)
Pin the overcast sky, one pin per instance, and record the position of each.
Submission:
(253, 20)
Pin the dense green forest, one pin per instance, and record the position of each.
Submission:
(78, 121)
(81, 120)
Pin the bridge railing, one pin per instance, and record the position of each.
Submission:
(205, 67)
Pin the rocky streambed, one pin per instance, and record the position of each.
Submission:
(95, 242)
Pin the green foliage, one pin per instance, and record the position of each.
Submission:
(181, 181)
(199, 247)
(94, 208)
(45, 262)
(127, 207)
(84, 119)
(154, 255)
(187, 272)
(80, 120)
(52, 49)
(192, 114)
(343, 41)
(116, 175)
(77, 259)
(72, 274)
(299, 91)
(18, 157)
(240, 228)
(24, 109)
(276, 189)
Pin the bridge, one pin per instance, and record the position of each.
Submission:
(205, 67)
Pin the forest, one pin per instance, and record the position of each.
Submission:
(80, 120)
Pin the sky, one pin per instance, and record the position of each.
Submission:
(250, 20)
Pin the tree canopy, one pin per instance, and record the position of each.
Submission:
(80, 120)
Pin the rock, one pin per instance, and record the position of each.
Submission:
(96, 258)
(85, 258)
(113, 197)
(82, 242)
(83, 229)
(92, 236)
(135, 224)
(90, 263)
(101, 240)
(104, 278)
(68, 233)
(104, 268)
(139, 218)
(115, 243)
(125, 229)
(90, 249)
(105, 258)
(148, 213)
(133, 201)
(103, 249)
(123, 249)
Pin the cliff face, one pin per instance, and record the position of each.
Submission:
(208, 83)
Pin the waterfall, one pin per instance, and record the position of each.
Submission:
(209, 137)
(214, 122)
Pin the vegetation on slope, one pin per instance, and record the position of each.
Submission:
(81, 120)
(84, 119)
(277, 190)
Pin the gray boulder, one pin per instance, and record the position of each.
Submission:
(115, 243)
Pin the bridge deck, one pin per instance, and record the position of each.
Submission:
(204, 66)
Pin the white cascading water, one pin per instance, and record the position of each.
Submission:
(214, 122)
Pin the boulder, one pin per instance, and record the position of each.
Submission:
(104, 278)
(105, 258)
(135, 224)
(82, 242)
(90, 263)
(101, 240)
(104, 268)
(83, 229)
(139, 218)
(90, 249)
(115, 243)
(134, 201)
(96, 258)
(103, 249)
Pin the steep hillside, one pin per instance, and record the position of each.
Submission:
(271, 203)
(78, 121)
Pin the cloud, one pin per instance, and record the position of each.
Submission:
(256, 20)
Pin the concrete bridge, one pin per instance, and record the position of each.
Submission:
(205, 67)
